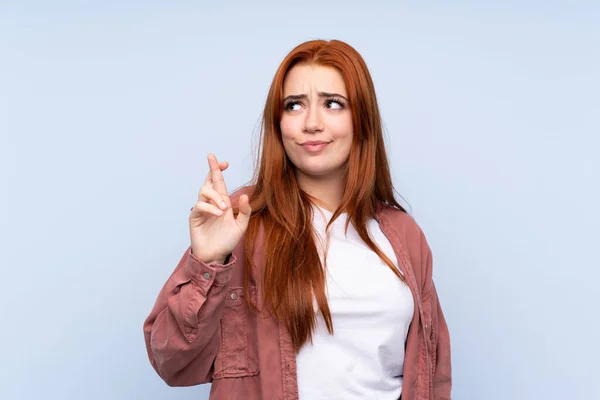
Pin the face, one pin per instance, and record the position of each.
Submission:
(316, 125)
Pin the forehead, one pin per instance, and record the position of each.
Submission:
(306, 78)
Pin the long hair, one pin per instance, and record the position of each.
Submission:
(293, 276)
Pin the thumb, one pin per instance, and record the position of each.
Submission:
(245, 211)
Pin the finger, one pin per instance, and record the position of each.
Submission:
(202, 207)
(207, 194)
(243, 216)
(223, 165)
(218, 182)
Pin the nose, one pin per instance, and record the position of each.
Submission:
(313, 122)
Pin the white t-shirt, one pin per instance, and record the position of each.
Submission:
(371, 310)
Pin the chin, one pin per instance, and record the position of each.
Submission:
(317, 172)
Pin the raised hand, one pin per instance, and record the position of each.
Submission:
(214, 230)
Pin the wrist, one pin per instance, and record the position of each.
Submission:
(209, 259)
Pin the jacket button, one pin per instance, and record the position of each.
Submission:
(206, 275)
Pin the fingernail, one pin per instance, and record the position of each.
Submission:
(223, 205)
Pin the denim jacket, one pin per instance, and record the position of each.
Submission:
(202, 330)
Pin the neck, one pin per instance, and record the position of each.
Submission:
(327, 191)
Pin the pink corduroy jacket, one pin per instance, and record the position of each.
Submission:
(202, 330)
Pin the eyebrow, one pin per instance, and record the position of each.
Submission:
(321, 94)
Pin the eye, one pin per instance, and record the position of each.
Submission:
(292, 106)
(335, 104)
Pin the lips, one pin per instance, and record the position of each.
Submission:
(314, 145)
(313, 142)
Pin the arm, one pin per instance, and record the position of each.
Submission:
(442, 369)
(182, 332)
(442, 379)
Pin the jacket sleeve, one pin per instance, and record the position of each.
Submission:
(442, 378)
(440, 336)
(182, 332)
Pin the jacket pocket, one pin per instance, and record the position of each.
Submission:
(237, 355)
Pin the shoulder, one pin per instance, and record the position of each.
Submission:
(411, 241)
(405, 226)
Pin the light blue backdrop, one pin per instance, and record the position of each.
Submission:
(107, 112)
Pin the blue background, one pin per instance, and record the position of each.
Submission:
(107, 112)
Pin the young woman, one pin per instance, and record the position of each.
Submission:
(312, 282)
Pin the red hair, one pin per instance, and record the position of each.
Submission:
(293, 276)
